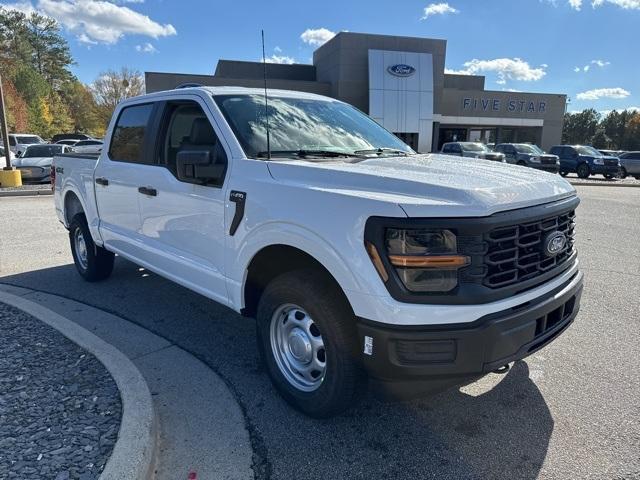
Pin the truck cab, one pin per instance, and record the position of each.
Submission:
(363, 262)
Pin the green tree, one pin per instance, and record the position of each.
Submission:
(615, 125)
(580, 127)
(50, 51)
(631, 140)
(82, 109)
(600, 139)
(15, 47)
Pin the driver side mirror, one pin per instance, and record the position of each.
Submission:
(198, 166)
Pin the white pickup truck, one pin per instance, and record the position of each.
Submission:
(362, 261)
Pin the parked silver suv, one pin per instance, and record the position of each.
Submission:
(630, 164)
(529, 155)
(472, 149)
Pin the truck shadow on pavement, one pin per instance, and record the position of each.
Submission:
(498, 428)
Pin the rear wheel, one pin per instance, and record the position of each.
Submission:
(564, 174)
(623, 173)
(522, 164)
(309, 343)
(94, 263)
(583, 170)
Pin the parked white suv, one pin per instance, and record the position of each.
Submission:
(18, 142)
(360, 259)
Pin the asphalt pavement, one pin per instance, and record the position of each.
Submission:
(569, 411)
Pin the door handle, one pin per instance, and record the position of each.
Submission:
(148, 191)
(102, 181)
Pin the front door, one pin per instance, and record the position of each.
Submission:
(182, 224)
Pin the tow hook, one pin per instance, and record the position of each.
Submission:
(502, 370)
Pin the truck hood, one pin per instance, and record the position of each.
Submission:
(429, 185)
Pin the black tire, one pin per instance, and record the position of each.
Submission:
(320, 298)
(608, 176)
(97, 263)
(564, 174)
(522, 164)
(583, 170)
(637, 177)
(623, 173)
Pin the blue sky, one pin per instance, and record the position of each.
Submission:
(584, 48)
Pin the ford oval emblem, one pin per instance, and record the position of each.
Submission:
(554, 243)
(401, 70)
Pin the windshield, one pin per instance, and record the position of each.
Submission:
(304, 125)
(526, 148)
(29, 140)
(582, 150)
(475, 147)
(42, 151)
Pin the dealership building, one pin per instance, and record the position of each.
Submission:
(401, 83)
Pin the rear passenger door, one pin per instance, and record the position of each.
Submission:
(182, 223)
(567, 159)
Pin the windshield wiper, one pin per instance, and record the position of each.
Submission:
(381, 151)
(303, 153)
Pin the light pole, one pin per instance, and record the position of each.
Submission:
(9, 176)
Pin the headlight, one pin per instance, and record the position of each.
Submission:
(598, 161)
(425, 260)
(534, 159)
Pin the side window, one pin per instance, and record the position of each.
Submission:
(446, 148)
(190, 147)
(12, 141)
(456, 148)
(127, 141)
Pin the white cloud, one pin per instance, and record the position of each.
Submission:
(317, 36)
(587, 67)
(598, 93)
(97, 21)
(280, 59)
(442, 8)
(506, 69)
(624, 4)
(25, 7)
(146, 48)
(82, 38)
(277, 50)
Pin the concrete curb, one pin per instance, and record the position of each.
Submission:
(604, 184)
(134, 454)
(25, 193)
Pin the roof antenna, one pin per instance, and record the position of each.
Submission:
(266, 101)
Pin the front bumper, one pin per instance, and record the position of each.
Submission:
(404, 362)
(605, 170)
(546, 167)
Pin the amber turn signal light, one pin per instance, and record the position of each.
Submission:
(377, 261)
(423, 261)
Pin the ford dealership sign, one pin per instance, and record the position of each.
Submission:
(401, 70)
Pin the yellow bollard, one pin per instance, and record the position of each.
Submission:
(10, 178)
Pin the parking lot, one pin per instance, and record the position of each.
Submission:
(569, 411)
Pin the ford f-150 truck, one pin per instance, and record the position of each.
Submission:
(363, 262)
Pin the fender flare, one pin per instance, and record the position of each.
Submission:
(291, 235)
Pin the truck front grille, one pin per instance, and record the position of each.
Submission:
(515, 253)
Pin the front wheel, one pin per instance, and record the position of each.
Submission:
(308, 342)
(608, 176)
(583, 170)
(94, 263)
(623, 173)
(564, 174)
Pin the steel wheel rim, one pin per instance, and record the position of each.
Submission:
(298, 347)
(81, 248)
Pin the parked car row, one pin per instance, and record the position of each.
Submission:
(33, 156)
(582, 160)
